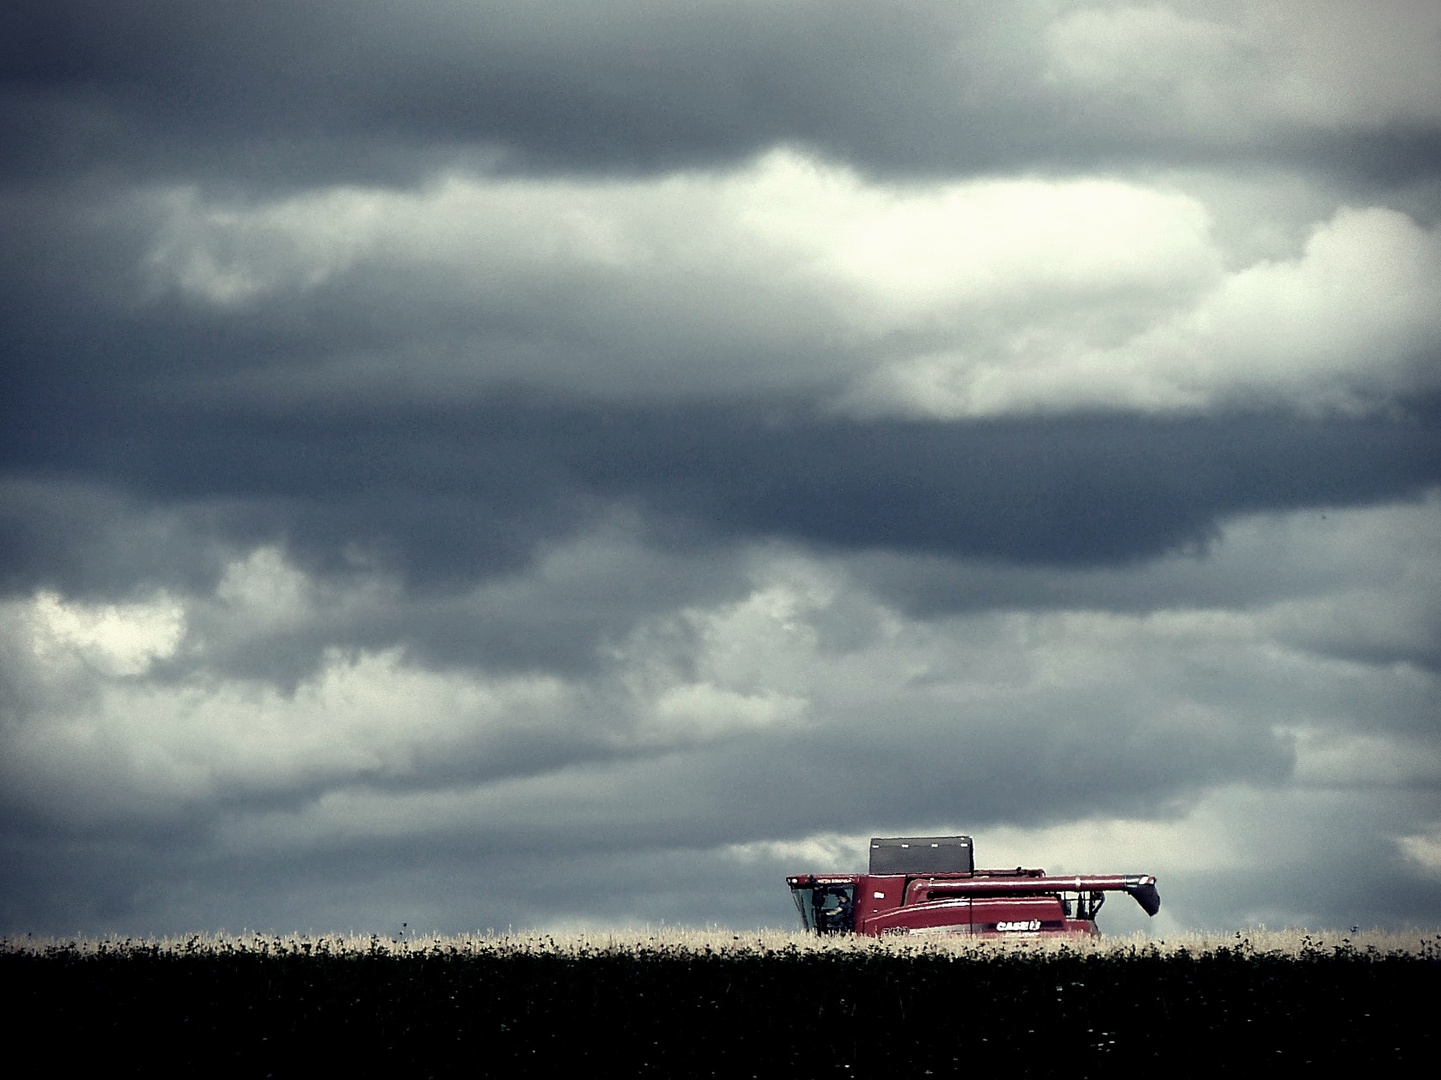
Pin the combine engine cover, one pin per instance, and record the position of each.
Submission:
(928, 885)
(922, 855)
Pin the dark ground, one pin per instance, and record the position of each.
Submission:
(671, 1012)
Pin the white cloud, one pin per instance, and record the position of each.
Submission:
(1355, 313)
(264, 587)
(117, 639)
(940, 299)
(234, 256)
(1424, 850)
(820, 853)
(1347, 323)
(702, 711)
(365, 717)
(914, 253)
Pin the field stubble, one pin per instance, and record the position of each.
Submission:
(1258, 941)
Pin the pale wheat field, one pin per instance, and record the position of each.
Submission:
(1259, 941)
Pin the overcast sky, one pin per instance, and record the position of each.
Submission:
(544, 464)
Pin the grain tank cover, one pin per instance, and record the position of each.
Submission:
(922, 855)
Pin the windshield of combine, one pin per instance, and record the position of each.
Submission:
(825, 909)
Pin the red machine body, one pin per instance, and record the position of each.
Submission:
(928, 885)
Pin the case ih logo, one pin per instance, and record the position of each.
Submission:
(1019, 924)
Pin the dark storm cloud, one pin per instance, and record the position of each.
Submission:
(121, 888)
(451, 496)
(630, 85)
(287, 92)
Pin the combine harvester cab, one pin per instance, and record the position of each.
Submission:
(929, 885)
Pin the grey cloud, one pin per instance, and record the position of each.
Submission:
(1308, 875)
(644, 84)
(449, 497)
(633, 862)
(286, 92)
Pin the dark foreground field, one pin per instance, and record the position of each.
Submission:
(269, 1007)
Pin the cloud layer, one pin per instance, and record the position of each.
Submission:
(523, 464)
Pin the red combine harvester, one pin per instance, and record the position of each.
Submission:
(930, 885)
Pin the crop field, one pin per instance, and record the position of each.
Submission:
(722, 1003)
